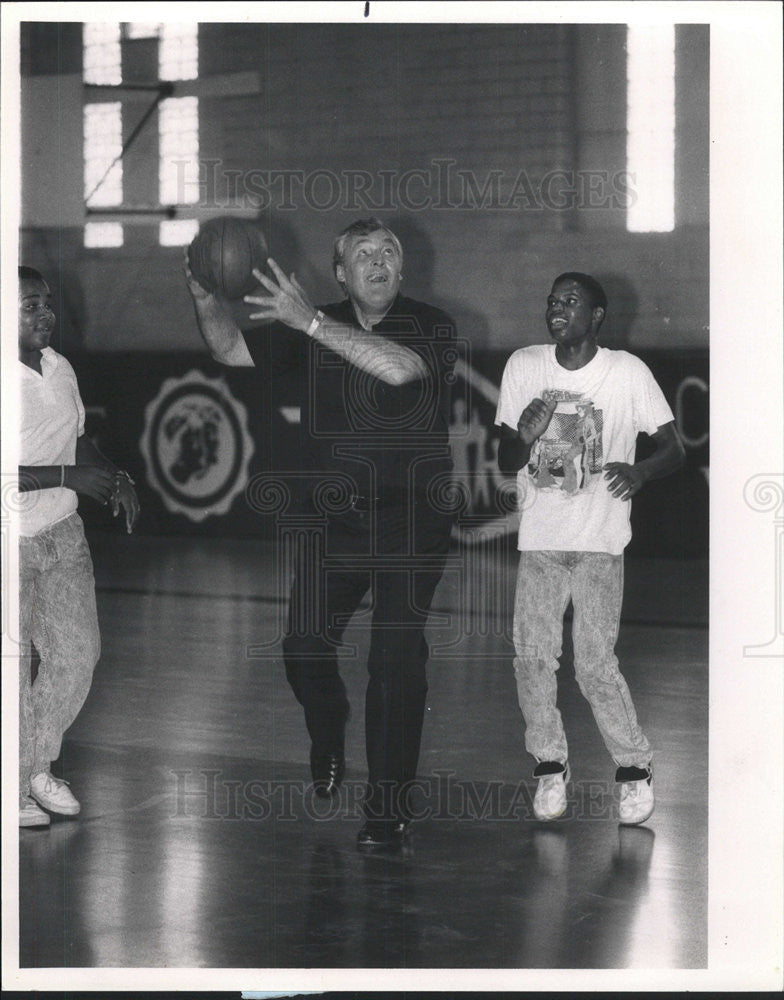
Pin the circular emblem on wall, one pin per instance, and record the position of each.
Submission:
(196, 445)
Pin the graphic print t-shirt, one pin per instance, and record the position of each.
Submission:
(600, 410)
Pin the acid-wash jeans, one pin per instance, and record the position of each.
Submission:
(594, 581)
(57, 611)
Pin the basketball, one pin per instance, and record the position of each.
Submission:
(223, 254)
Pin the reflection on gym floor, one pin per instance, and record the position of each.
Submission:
(201, 845)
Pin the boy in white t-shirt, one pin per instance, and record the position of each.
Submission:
(56, 585)
(569, 416)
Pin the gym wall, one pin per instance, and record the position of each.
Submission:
(498, 152)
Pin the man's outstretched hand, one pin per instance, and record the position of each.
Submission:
(287, 302)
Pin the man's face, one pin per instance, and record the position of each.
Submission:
(370, 270)
(36, 319)
(570, 317)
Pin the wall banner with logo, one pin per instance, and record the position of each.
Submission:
(196, 436)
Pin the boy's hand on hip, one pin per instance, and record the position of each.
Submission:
(624, 480)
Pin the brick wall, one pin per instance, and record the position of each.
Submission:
(470, 138)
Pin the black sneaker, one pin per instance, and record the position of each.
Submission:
(379, 834)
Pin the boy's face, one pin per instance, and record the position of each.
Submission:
(570, 316)
(36, 319)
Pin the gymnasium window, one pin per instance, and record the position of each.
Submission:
(650, 128)
(178, 232)
(106, 45)
(103, 234)
(103, 174)
(178, 52)
(178, 166)
(102, 59)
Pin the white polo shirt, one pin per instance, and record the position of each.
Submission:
(52, 418)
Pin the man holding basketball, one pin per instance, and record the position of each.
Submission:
(375, 440)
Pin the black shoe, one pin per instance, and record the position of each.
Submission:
(375, 834)
(327, 770)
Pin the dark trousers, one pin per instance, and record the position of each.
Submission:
(399, 558)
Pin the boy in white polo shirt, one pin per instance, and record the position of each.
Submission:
(569, 416)
(56, 585)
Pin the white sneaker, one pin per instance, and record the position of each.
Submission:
(30, 814)
(550, 799)
(637, 800)
(53, 794)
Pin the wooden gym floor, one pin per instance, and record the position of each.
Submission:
(200, 846)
